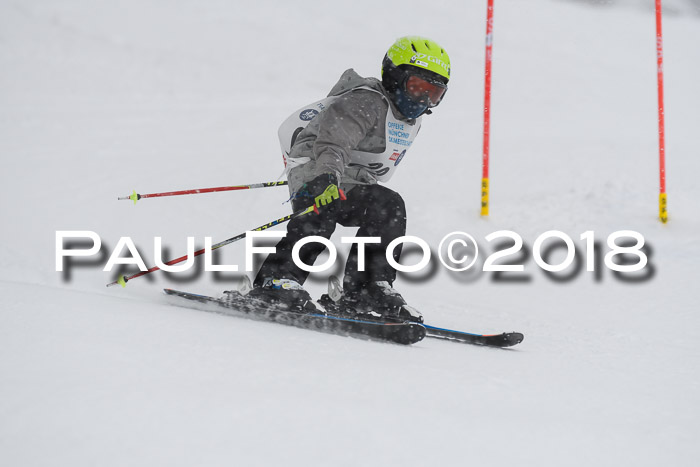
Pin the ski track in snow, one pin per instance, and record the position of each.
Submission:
(99, 99)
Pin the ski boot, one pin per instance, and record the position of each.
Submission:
(376, 300)
(286, 294)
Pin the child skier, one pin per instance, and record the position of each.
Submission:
(336, 150)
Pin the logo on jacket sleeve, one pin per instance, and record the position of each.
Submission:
(397, 156)
(308, 114)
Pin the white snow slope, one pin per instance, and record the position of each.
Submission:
(100, 98)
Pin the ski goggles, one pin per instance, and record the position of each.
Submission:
(424, 91)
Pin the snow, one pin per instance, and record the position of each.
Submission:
(100, 98)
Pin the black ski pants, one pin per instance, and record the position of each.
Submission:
(375, 209)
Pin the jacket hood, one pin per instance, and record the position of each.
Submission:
(350, 80)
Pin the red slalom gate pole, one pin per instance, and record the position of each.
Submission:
(135, 196)
(487, 112)
(663, 212)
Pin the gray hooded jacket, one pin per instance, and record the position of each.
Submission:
(354, 121)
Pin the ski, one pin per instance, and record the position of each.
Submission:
(506, 339)
(340, 323)
(235, 304)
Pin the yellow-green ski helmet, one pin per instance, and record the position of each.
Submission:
(415, 72)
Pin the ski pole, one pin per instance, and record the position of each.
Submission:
(124, 279)
(135, 196)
